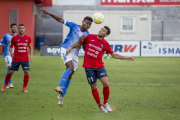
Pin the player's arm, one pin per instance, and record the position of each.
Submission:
(74, 46)
(30, 51)
(117, 56)
(10, 48)
(82, 41)
(59, 19)
(2, 42)
(0, 46)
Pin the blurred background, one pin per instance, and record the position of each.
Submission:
(132, 22)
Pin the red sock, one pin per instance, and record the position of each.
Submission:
(106, 93)
(26, 79)
(96, 96)
(8, 77)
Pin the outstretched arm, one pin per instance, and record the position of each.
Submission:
(74, 46)
(117, 56)
(59, 19)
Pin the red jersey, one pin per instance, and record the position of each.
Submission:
(94, 51)
(20, 48)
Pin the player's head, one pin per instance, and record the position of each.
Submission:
(13, 28)
(21, 28)
(86, 23)
(104, 32)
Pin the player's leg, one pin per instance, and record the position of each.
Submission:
(67, 59)
(13, 67)
(8, 61)
(92, 78)
(103, 77)
(26, 68)
(66, 85)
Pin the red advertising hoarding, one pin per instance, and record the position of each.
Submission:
(140, 2)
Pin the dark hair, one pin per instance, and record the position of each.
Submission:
(13, 24)
(108, 30)
(21, 25)
(88, 18)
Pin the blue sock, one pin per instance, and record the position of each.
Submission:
(64, 77)
(5, 78)
(65, 87)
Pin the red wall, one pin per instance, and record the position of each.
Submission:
(25, 16)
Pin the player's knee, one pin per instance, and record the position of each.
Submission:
(94, 86)
(106, 84)
(10, 72)
(71, 68)
(26, 72)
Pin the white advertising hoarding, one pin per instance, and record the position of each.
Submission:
(160, 48)
(126, 48)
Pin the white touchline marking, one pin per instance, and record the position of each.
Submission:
(100, 83)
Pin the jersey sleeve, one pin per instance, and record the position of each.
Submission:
(108, 49)
(3, 40)
(12, 42)
(29, 43)
(70, 24)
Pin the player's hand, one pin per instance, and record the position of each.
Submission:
(30, 57)
(68, 50)
(45, 11)
(12, 55)
(130, 58)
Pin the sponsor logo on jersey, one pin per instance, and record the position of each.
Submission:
(102, 45)
(26, 40)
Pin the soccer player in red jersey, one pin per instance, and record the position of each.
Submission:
(95, 46)
(20, 57)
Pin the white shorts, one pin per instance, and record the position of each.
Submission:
(8, 60)
(66, 58)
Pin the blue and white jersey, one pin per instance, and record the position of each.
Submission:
(73, 37)
(6, 41)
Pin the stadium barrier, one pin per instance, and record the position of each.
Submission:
(130, 48)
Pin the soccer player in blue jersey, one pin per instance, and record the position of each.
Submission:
(70, 60)
(6, 41)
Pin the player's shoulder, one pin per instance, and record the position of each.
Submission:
(70, 22)
(6, 34)
(92, 35)
(15, 37)
(105, 42)
(26, 36)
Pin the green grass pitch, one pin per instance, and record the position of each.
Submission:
(147, 88)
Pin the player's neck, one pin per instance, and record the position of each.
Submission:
(21, 35)
(100, 38)
(82, 28)
(13, 34)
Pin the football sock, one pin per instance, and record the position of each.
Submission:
(26, 79)
(66, 85)
(8, 77)
(5, 78)
(106, 93)
(96, 96)
(65, 77)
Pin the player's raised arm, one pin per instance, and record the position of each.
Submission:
(59, 19)
(117, 56)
